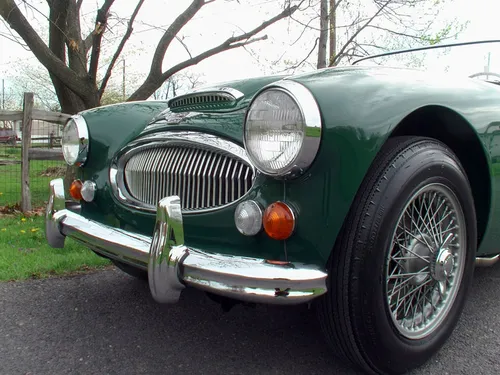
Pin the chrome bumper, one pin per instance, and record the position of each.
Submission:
(171, 265)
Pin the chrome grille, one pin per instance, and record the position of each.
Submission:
(202, 178)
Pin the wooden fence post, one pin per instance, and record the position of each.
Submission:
(25, 164)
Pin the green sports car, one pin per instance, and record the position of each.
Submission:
(366, 191)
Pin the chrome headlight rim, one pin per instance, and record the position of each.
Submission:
(83, 144)
(313, 130)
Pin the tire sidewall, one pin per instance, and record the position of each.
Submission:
(376, 329)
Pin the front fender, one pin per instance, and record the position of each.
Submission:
(360, 108)
(112, 127)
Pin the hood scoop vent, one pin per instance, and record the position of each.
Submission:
(206, 100)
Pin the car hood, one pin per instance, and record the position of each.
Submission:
(191, 112)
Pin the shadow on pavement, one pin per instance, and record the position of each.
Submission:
(107, 323)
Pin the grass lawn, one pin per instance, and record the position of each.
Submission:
(41, 172)
(24, 252)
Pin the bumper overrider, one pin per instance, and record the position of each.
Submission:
(172, 266)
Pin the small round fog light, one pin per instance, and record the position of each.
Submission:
(88, 191)
(248, 218)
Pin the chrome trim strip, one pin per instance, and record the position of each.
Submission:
(197, 140)
(237, 95)
(312, 132)
(172, 265)
(487, 261)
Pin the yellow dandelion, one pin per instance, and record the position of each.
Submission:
(35, 229)
(23, 219)
(23, 231)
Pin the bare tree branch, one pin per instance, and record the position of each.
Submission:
(119, 49)
(16, 20)
(406, 35)
(308, 24)
(359, 30)
(170, 34)
(293, 67)
(184, 45)
(87, 42)
(154, 81)
(73, 61)
(12, 37)
(211, 52)
(100, 26)
(58, 17)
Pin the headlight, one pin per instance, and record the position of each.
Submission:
(282, 129)
(75, 141)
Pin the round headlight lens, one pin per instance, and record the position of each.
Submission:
(282, 130)
(274, 131)
(75, 141)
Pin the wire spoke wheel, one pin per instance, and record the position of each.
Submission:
(402, 266)
(426, 261)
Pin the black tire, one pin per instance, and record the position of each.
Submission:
(355, 313)
(132, 271)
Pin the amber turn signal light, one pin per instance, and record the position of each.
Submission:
(278, 221)
(75, 190)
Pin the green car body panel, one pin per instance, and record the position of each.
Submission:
(360, 107)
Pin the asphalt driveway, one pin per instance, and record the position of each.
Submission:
(107, 323)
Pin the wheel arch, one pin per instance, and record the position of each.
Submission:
(457, 133)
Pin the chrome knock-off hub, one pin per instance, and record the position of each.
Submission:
(442, 266)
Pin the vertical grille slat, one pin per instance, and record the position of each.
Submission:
(144, 180)
(163, 173)
(171, 177)
(186, 181)
(205, 190)
(192, 188)
(202, 177)
(227, 182)
(242, 166)
(218, 176)
(155, 178)
(211, 190)
(148, 183)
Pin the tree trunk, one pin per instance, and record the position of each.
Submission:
(71, 103)
(323, 34)
(333, 33)
(67, 57)
(150, 85)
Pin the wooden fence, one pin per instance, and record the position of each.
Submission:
(27, 115)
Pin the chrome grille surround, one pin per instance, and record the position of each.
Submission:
(205, 171)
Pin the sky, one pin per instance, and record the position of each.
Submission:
(220, 19)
